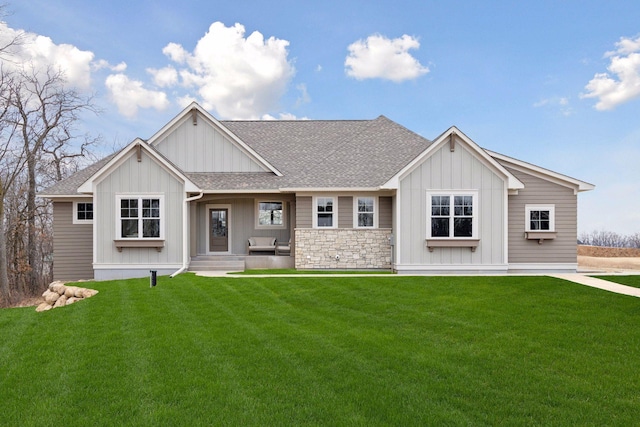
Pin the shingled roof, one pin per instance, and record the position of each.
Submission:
(333, 153)
(310, 154)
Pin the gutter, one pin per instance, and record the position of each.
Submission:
(185, 233)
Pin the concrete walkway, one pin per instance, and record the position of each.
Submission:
(594, 282)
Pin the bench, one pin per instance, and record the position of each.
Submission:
(283, 248)
(262, 244)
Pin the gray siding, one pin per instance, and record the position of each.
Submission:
(204, 148)
(563, 249)
(385, 210)
(345, 212)
(72, 245)
(446, 170)
(139, 178)
(242, 221)
(304, 212)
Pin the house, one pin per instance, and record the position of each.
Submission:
(348, 194)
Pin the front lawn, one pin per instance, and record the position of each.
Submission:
(325, 351)
(633, 280)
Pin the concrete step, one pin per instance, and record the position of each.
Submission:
(217, 263)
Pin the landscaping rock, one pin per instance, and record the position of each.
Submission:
(59, 295)
(70, 291)
(50, 296)
(44, 307)
(58, 287)
(60, 302)
(88, 293)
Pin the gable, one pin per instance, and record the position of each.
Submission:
(450, 170)
(518, 165)
(195, 142)
(452, 140)
(138, 149)
(145, 175)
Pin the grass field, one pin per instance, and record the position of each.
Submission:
(325, 351)
(630, 280)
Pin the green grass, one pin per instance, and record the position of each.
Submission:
(255, 272)
(325, 351)
(633, 280)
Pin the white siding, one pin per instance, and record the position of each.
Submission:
(139, 178)
(446, 170)
(204, 148)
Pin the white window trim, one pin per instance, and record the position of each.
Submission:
(75, 213)
(139, 196)
(335, 211)
(355, 211)
(552, 217)
(452, 193)
(270, 227)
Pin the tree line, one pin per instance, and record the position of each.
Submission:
(39, 145)
(610, 239)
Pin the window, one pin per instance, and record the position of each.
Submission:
(365, 212)
(139, 217)
(325, 209)
(270, 214)
(82, 212)
(540, 218)
(452, 215)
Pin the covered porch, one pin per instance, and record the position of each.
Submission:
(221, 226)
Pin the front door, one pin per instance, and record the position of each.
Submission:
(218, 230)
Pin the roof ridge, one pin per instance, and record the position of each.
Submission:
(295, 120)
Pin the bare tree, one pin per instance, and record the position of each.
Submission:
(11, 163)
(46, 112)
(11, 159)
(610, 239)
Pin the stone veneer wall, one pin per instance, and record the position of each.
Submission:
(356, 248)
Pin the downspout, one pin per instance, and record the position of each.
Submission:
(185, 233)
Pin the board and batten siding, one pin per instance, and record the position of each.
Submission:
(537, 191)
(204, 148)
(139, 179)
(72, 245)
(447, 170)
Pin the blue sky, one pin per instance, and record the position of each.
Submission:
(552, 83)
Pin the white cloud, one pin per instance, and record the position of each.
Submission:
(283, 116)
(41, 52)
(241, 78)
(167, 76)
(560, 104)
(304, 97)
(104, 64)
(622, 82)
(380, 57)
(183, 101)
(130, 95)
